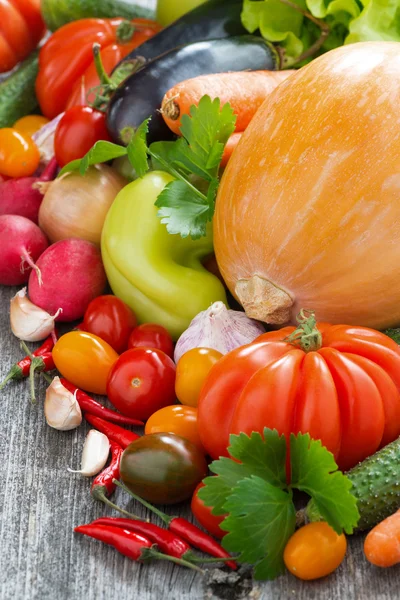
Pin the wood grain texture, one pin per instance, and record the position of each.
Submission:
(40, 503)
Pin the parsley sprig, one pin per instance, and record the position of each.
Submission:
(185, 206)
(251, 487)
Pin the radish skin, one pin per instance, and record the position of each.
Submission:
(21, 243)
(21, 196)
(72, 274)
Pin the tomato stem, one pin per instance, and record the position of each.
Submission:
(306, 336)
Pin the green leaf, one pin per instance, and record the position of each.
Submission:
(178, 156)
(315, 472)
(101, 152)
(183, 210)
(137, 149)
(394, 334)
(379, 20)
(261, 520)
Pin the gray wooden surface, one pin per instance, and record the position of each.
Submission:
(40, 503)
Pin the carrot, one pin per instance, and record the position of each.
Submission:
(382, 544)
(229, 147)
(245, 91)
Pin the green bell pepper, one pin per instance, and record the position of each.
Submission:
(159, 275)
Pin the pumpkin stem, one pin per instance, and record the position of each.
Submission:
(263, 300)
(307, 336)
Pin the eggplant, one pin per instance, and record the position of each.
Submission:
(141, 94)
(213, 20)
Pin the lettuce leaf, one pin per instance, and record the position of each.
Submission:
(379, 20)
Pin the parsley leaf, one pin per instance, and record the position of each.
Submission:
(137, 149)
(183, 210)
(261, 519)
(315, 472)
(101, 152)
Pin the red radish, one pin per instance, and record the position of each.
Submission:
(21, 243)
(72, 275)
(22, 197)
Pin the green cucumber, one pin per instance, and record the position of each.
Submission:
(376, 485)
(17, 92)
(57, 13)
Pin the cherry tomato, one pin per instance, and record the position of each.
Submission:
(30, 124)
(151, 335)
(314, 551)
(141, 382)
(203, 514)
(111, 319)
(77, 131)
(191, 371)
(178, 419)
(163, 468)
(85, 360)
(19, 155)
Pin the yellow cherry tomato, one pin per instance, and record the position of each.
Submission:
(30, 124)
(181, 420)
(85, 360)
(191, 371)
(314, 551)
(19, 155)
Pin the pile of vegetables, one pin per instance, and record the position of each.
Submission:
(156, 148)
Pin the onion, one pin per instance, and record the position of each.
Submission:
(75, 206)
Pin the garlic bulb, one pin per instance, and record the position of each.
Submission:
(94, 454)
(61, 407)
(219, 328)
(29, 322)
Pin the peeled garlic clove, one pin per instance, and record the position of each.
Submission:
(218, 328)
(29, 322)
(61, 407)
(95, 453)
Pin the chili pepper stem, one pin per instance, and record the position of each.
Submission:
(47, 377)
(35, 364)
(194, 558)
(165, 518)
(13, 373)
(103, 498)
(148, 553)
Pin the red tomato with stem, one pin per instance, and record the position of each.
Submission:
(203, 514)
(141, 382)
(78, 129)
(151, 335)
(111, 319)
(178, 419)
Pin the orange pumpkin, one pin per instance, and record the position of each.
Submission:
(308, 211)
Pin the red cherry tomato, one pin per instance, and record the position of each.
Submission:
(111, 319)
(77, 131)
(141, 382)
(151, 335)
(204, 515)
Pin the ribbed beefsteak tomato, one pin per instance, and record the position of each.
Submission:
(340, 385)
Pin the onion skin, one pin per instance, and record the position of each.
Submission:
(75, 206)
(308, 210)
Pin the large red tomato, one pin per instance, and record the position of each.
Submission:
(344, 391)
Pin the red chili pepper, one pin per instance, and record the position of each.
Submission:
(21, 369)
(103, 484)
(90, 405)
(114, 432)
(186, 530)
(167, 542)
(128, 543)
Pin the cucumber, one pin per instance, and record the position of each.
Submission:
(57, 13)
(376, 485)
(17, 92)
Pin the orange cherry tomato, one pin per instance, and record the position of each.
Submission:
(85, 360)
(30, 124)
(191, 371)
(181, 420)
(19, 155)
(314, 551)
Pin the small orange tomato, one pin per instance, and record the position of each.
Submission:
(181, 420)
(314, 551)
(191, 371)
(30, 124)
(85, 360)
(19, 155)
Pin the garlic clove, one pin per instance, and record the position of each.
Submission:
(29, 322)
(95, 454)
(218, 328)
(61, 407)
